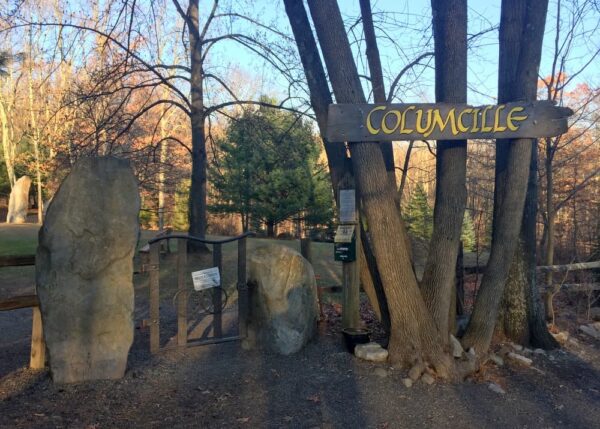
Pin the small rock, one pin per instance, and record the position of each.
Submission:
(371, 351)
(380, 372)
(516, 347)
(589, 330)
(561, 337)
(416, 371)
(497, 359)
(471, 352)
(407, 382)
(496, 388)
(539, 352)
(527, 351)
(457, 350)
(427, 379)
(519, 359)
(595, 325)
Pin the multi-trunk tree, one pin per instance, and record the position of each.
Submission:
(420, 313)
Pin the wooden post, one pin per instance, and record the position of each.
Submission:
(181, 292)
(38, 346)
(154, 297)
(242, 287)
(351, 269)
(217, 296)
(306, 249)
(460, 282)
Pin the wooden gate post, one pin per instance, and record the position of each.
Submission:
(182, 324)
(217, 296)
(154, 297)
(242, 287)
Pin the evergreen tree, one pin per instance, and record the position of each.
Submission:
(419, 215)
(468, 233)
(268, 170)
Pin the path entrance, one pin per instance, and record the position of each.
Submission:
(208, 316)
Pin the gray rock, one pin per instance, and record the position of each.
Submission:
(285, 309)
(371, 351)
(496, 359)
(84, 270)
(19, 201)
(407, 382)
(380, 372)
(519, 359)
(539, 352)
(590, 330)
(516, 347)
(427, 379)
(457, 350)
(496, 388)
(415, 372)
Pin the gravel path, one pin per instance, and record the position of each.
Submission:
(322, 386)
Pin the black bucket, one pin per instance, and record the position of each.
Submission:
(352, 337)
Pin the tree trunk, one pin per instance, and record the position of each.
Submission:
(320, 98)
(270, 229)
(450, 36)
(7, 146)
(197, 201)
(521, 302)
(414, 336)
(372, 51)
(513, 164)
(550, 230)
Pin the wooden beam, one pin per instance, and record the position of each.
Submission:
(571, 267)
(17, 260)
(16, 302)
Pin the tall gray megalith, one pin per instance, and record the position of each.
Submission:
(18, 201)
(84, 271)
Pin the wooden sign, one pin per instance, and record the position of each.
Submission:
(380, 122)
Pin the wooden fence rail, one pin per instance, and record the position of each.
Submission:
(37, 358)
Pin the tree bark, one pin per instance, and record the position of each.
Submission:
(521, 302)
(320, 97)
(450, 37)
(414, 336)
(373, 58)
(197, 200)
(513, 163)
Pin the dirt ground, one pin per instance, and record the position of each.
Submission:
(321, 386)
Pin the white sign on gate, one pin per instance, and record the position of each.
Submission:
(206, 279)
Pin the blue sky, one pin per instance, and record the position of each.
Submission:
(414, 15)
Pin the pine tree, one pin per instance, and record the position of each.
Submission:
(419, 215)
(468, 233)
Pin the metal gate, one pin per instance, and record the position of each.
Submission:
(209, 304)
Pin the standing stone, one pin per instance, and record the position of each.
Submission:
(18, 202)
(284, 304)
(84, 270)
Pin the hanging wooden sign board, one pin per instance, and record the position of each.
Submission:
(441, 121)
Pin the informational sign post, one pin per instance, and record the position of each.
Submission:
(347, 205)
(206, 279)
(346, 246)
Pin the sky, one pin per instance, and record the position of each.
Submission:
(405, 21)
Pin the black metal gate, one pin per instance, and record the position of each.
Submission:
(206, 307)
